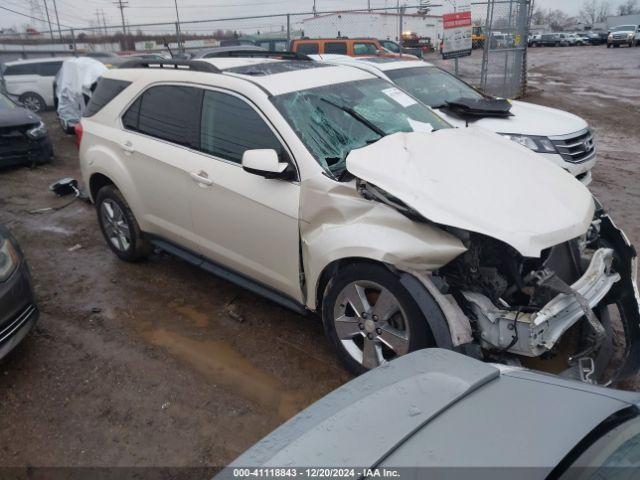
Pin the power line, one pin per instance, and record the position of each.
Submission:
(29, 16)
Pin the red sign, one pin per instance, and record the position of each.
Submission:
(456, 20)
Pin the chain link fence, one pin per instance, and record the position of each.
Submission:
(497, 64)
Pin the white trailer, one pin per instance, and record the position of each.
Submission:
(373, 25)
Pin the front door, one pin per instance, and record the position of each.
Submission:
(243, 221)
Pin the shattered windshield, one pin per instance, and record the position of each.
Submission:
(432, 86)
(333, 120)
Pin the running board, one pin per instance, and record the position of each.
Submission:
(229, 275)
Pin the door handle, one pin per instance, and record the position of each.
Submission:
(202, 178)
(127, 146)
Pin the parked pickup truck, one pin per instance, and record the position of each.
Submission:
(624, 35)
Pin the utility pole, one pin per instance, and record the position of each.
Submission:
(178, 28)
(46, 9)
(369, 5)
(104, 23)
(99, 23)
(55, 9)
(122, 4)
(315, 11)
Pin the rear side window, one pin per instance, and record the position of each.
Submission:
(49, 69)
(339, 48)
(364, 49)
(168, 112)
(21, 69)
(307, 48)
(230, 127)
(106, 90)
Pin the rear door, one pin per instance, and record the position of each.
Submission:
(160, 128)
(243, 221)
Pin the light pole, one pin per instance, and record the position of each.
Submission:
(178, 28)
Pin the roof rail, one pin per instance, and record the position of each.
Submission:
(261, 54)
(194, 65)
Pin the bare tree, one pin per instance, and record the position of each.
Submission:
(539, 16)
(557, 19)
(594, 11)
(629, 7)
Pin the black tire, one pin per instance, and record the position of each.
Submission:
(418, 332)
(616, 45)
(136, 248)
(33, 101)
(608, 45)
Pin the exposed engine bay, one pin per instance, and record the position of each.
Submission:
(555, 307)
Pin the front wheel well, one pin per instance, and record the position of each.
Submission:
(97, 182)
(330, 271)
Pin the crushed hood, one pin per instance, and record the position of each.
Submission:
(526, 119)
(478, 181)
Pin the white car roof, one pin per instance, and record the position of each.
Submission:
(37, 60)
(291, 77)
(380, 63)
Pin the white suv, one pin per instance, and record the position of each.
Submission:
(31, 81)
(558, 136)
(330, 190)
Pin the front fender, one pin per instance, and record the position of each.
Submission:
(339, 224)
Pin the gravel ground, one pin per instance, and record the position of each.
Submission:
(161, 364)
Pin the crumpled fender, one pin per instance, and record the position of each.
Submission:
(337, 223)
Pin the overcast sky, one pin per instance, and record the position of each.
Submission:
(81, 13)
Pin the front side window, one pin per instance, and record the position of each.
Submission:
(364, 48)
(230, 127)
(335, 119)
(168, 112)
(432, 85)
(49, 69)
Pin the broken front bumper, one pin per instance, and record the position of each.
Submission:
(532, 334)
(610, 279)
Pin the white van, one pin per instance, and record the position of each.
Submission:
(31, 81)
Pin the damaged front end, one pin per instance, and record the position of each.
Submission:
(570, 308)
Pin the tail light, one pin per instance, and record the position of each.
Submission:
(78, 130)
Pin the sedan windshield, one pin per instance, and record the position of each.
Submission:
(335, 119)
(432, 86)
(6, 103)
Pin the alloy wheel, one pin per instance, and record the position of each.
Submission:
(115, 225)
(32, 103)
(370, 323)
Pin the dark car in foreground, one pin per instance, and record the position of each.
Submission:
(23, 136)
(18, 310)
(436, 412)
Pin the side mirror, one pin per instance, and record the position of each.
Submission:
(265, 163)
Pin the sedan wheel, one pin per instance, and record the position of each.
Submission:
(115, 225)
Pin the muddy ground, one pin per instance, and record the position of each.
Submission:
(161, 364)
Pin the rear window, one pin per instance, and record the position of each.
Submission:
(168, 112)
(21, 69)
(307, 48)
(335, 47)
(106, 90)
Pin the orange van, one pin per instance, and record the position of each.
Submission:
(353, 47)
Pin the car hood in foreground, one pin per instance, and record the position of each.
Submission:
(439, 408)
(17, 117)
(477, 181)
(526, 119)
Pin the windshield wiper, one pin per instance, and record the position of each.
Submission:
(371, 126)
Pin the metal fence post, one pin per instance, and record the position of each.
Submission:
(179, 37)
(73, 42)
(288, 30)
(484, 72)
